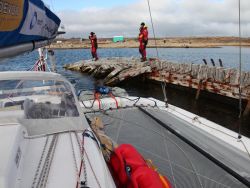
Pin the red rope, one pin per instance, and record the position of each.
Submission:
(113, 97)
(98, 99)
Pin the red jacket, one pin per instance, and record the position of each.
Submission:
(93, 41)
(143, 35)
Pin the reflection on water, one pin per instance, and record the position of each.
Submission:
(224, 114)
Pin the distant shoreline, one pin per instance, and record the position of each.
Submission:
(178, 42)
(75, 48)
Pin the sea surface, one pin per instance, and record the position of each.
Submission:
(225, 114)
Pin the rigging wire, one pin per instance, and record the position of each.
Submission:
(163, 83)
(152, 23)
(240, 78)
(52, 5)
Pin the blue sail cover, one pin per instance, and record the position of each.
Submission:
(23, 21)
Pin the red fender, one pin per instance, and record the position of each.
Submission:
(130, 170)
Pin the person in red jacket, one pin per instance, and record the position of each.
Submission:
(94, 45)
(143, 40)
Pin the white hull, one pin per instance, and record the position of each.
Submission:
(26, 171)
(46, 152)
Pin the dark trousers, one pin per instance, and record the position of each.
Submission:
(142, 50)
(94, 53)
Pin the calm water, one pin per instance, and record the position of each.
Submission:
(224, 114)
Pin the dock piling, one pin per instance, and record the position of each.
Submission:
(220, 61)
(247, 109)
(212, 61)
(205, 61)
(198, 90)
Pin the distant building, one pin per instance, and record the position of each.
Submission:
(118, 39)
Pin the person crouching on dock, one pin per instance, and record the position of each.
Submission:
(94, 45)
(143, 40)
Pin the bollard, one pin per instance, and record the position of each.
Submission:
(198, 90)
(205, 61)
(220, 61)
(212, 61)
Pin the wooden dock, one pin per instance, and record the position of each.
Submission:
(218, 80)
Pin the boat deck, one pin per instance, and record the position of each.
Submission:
(182, 164)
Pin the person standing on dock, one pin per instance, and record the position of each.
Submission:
(143, 40)
(94, 45)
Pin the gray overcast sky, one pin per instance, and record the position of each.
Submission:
(171, 17)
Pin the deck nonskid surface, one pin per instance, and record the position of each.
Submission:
(183, 165)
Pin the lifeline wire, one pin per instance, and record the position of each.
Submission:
(163, 83)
